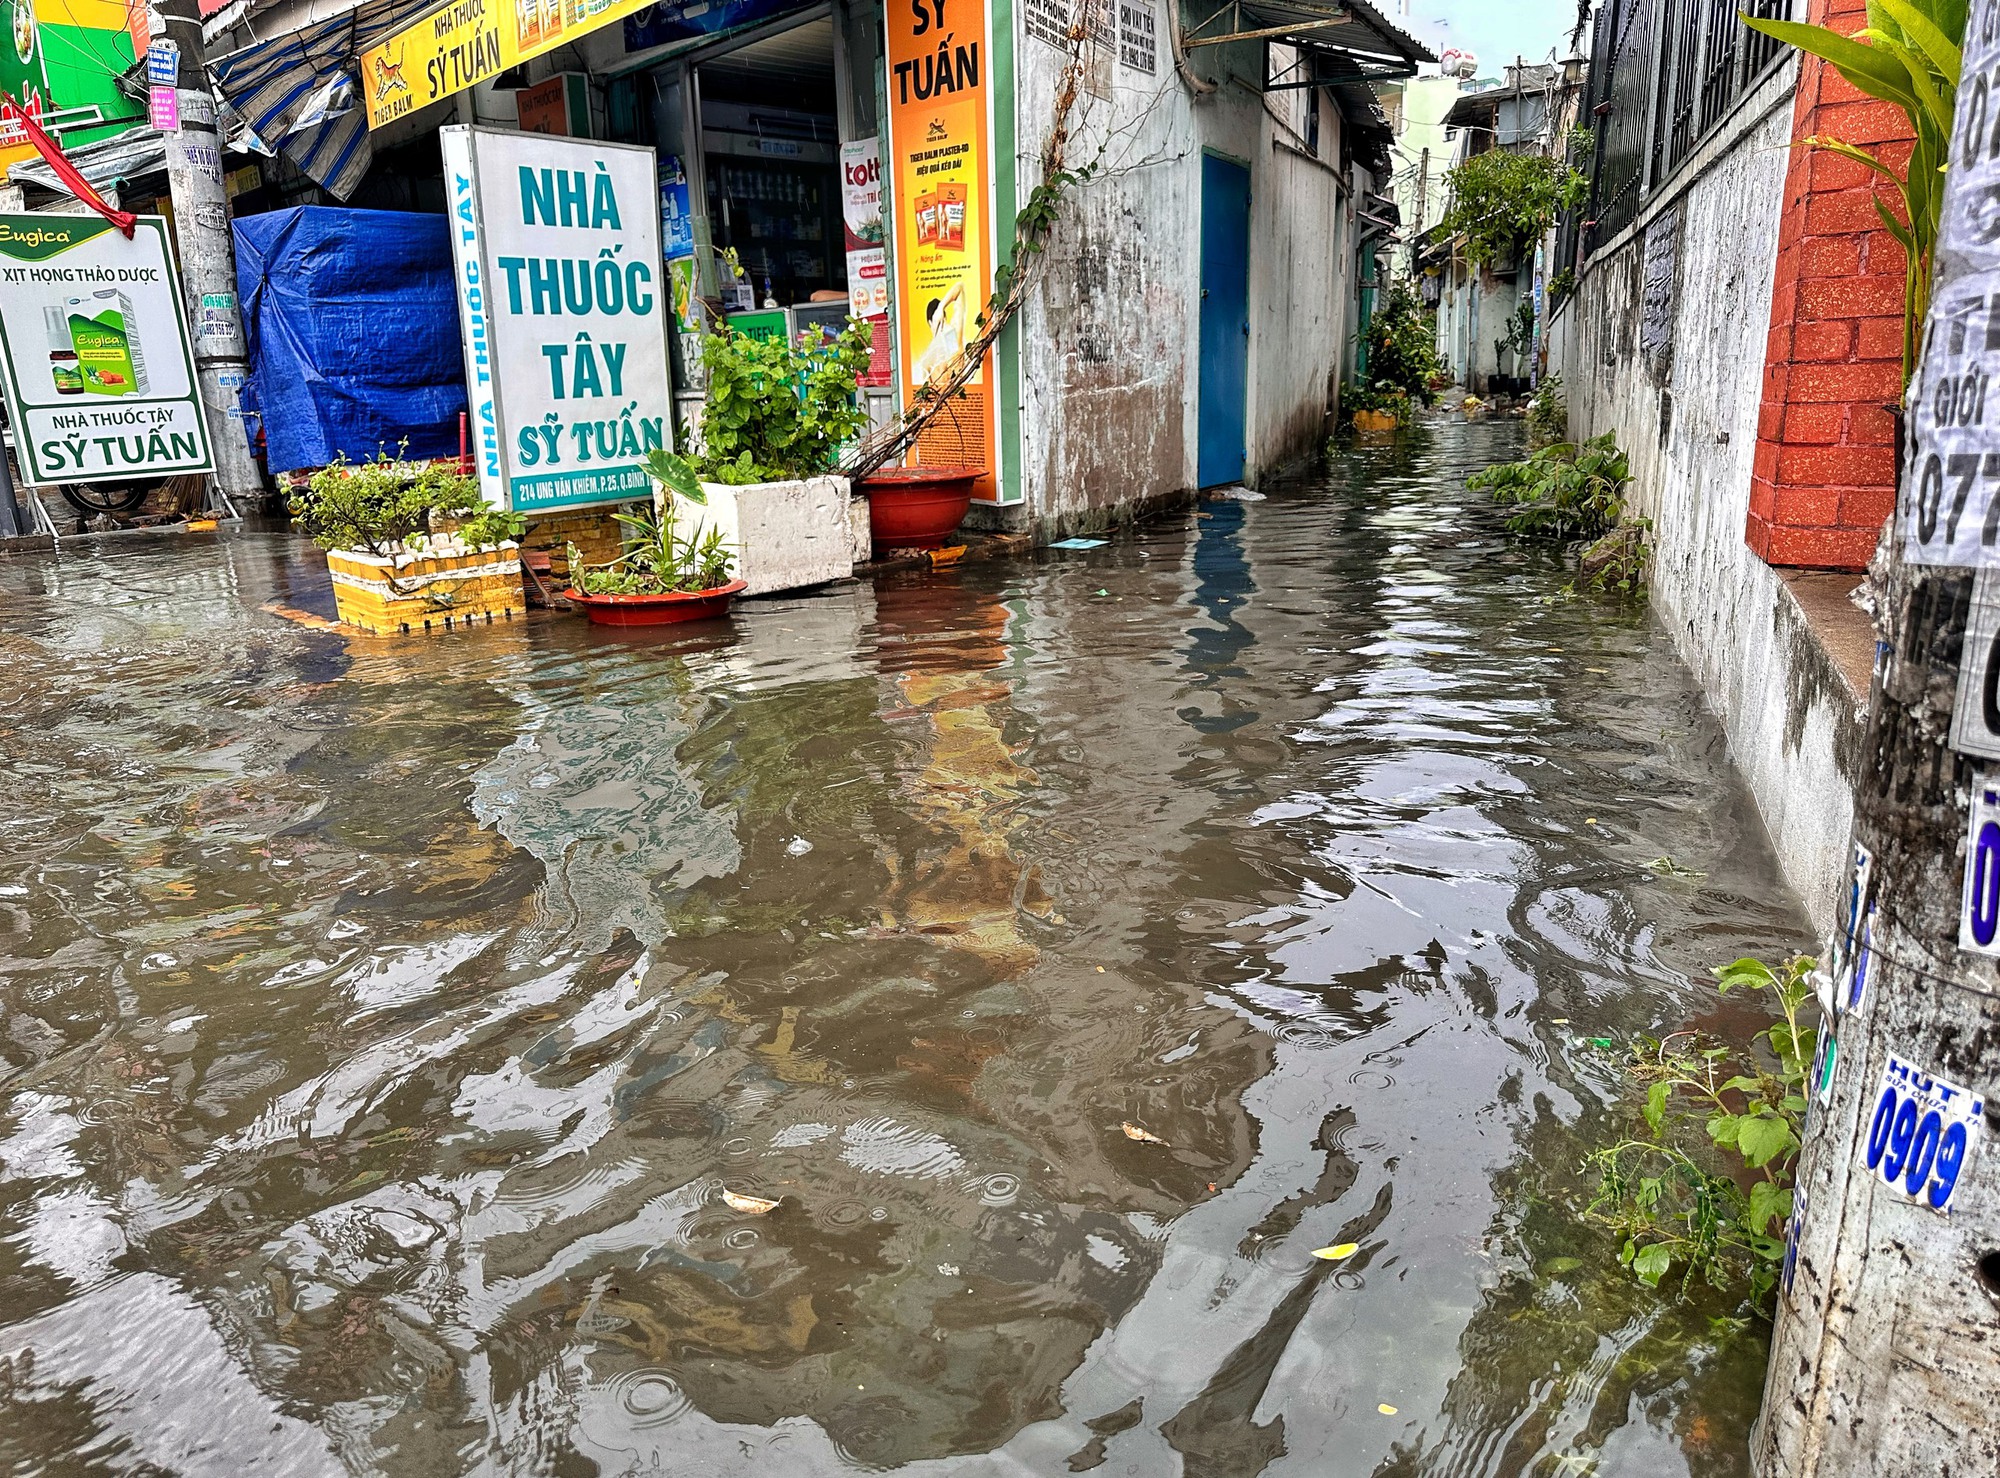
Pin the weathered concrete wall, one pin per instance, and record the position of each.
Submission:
(1679, 382)
(1110, 340)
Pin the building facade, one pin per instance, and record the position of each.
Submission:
(1187, 323)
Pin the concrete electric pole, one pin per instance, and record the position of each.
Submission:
(1884, 1359)
(207, 252)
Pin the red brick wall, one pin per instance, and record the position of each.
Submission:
(1825, 474)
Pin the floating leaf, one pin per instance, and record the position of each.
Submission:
(1340, 1253)
(1134, 1132)
(748, 1205)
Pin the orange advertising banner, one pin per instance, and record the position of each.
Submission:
(942, 167)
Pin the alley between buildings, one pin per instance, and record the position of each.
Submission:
(1069, 945)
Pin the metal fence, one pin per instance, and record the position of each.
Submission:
(1663, 75)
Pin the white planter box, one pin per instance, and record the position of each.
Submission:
(785, 535)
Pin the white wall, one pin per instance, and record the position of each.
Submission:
(1110, 338)
(1689, 423)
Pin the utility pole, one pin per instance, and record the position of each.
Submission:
(1883, 1359)
(207, 250)
(1423, 191)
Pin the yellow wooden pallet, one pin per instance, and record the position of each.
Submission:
(411, 593)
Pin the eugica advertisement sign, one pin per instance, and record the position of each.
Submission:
(556, 250)
(100, 368)
(941, 157)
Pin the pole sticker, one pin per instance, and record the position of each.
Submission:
(1920, 1133)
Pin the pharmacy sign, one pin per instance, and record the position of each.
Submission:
(99, 366)
(556, 249)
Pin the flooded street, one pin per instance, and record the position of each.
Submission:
(384, 1020)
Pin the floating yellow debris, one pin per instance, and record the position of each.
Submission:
(1340, 1253)
(1386, 1409)
(748, 1205)
(1134, 1132)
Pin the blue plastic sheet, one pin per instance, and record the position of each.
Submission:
(352, 325)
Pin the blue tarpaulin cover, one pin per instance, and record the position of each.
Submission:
(352, 322)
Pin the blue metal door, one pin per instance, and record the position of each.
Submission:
(1225, 321)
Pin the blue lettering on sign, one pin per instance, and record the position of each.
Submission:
(1920, 1133)
(1985, 900)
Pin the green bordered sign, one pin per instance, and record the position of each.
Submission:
(100, 369)
(563, 304)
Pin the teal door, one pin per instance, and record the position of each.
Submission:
(1225, 321)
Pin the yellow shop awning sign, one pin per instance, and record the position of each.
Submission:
(472, 41)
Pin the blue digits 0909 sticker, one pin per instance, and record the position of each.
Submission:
(1920, 1132)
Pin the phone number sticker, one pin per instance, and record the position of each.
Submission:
(1920, 1133)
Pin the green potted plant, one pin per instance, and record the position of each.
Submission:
(772, 424)
(662, 576)
(410, 545)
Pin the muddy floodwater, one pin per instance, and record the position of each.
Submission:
(384, 1021)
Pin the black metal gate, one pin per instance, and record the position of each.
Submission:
(1663, 75)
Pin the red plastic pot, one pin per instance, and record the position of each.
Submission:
(917, 507)
(656, 610)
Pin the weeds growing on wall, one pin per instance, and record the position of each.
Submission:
(1548, 413)
(1705, 1194)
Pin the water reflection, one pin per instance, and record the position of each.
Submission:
(385, 1022)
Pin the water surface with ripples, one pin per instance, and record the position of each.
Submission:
(381, 1022)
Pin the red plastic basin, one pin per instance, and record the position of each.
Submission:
(917, 507)
(656, 610)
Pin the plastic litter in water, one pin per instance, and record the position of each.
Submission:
(797, 847)
(1339, 1253)
(1079, 543)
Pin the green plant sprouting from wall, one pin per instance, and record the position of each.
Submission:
(1706, 1192)
(1503, 199)
(1909, 55)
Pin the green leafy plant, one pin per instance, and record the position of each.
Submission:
(658, 559)
(776, 410)
(1562, 492)
(1548, 413)
(376, 506)
(1562, 287)
(1616, 564)
(1708, 1190)
(1402, 360)
(1908, 54)
(1519, 339)
(1501, 200)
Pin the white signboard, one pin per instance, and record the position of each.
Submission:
(556, 243)
(861, 208)
(1948, 506)
(1975, 715)
(100, 371)
(1979, 911)
(1919, 1133)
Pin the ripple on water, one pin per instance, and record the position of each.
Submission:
(648, 1398)
(998, 1189)
(886, 1147)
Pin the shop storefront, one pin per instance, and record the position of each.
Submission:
(770, 168)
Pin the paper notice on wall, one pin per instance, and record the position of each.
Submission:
(1948, 501)
(861, 209)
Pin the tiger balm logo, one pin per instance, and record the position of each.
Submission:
(389, 76)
